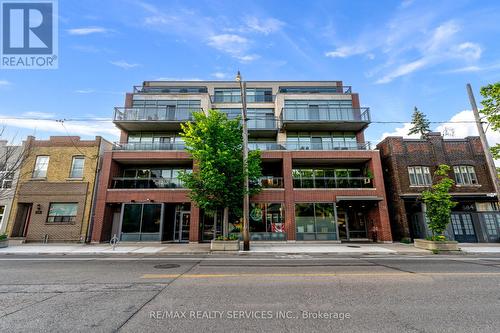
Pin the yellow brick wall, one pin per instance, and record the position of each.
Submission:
(58, 171)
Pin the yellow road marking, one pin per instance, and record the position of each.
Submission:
(207, 276)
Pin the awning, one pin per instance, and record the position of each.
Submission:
(458, 196)
(358, 198)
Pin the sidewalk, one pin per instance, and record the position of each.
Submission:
(204, 248)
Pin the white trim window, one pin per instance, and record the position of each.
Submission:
(465, 175)
(77, 167)
(41, 166)
(419, 176)
(6, 178)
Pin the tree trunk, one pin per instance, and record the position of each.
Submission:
(225, 222)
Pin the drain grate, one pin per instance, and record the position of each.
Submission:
(166, 266)
(354, 246)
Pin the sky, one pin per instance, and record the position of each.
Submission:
(395, 54)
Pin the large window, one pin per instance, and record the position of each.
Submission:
(419, 176)
(330, 178)
(465, 175)
(320, 110)
(267, 221)
(77, 167)
(315, 221)
(322, 141)
(233, 95)
(150, 178)
(141, 222)
(41, 166)
(62, 212)
(6, 179)
(310, 90)
(257, 118)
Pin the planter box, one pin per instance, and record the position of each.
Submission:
(433, 245)
(4, 243)
(221, 245)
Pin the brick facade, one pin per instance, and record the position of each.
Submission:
(398, 154)
(34, 195)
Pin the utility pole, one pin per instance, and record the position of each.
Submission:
(489, 158)
(246, 199)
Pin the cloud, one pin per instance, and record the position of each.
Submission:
(469, 51)
(84, 91)
(87, 128)
(88, 31)
(4, 83)
(265, 26)
(37, 114)
(234, 45)
(402, 70)
(123, 64)
(219, 75)
(346, 51)
(473, 68)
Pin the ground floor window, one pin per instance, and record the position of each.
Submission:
(141, 222)
(2, 213)
(315, 221)
(62, 212)
(267, 221)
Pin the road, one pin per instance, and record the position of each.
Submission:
(282, 293)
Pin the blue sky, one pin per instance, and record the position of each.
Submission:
(396, 54)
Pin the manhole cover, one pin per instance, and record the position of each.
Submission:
(166, 266)
(355, 246)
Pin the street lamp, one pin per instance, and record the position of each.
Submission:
(246, 199)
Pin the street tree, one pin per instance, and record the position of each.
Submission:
(491, 109)
(421, 125)
(438, 202)
(216, 182)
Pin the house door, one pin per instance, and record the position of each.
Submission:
(342, 224)
(463, 229)
(21, 222)
(492, 223)
(181, 227)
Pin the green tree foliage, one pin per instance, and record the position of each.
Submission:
(420, 124)
(216, 145)
(491, 109)
(438, 201)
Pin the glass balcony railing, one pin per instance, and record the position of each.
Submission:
(154, 114)
(146, 183)
(332, 182)
(148, 146)
(263, 145)
(322, 114)
(237, 98)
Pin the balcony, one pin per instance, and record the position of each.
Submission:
(148, 146)
(152, 118)
(169, 90)
(271, 182)
(233, 99)
(307, 146)
(324, 118)
(332, 182)
(146, 183)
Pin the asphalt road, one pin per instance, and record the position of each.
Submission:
(284, 293)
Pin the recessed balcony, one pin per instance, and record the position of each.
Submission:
(325, 118)
(152, 118)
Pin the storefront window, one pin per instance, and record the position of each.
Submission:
(141, 222)
(315, 221)
(267, 221)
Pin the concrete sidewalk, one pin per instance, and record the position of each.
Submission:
(256, 248)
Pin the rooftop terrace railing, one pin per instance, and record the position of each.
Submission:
(322, 114)
(154, 114)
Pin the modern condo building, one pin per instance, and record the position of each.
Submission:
(322, 181)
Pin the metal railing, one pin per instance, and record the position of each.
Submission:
(169, 90)
(136, 183)
(332, 182)
(237, 98)
(264, 145)
(337, 90)
(148, 146)
(154, 114)
(257, 121)
(271, 182)
(325, 114)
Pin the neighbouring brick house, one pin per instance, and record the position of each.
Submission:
(409, 165)
(321, 179)
(54, 196)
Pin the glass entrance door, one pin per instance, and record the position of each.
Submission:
(181, 226)
(342, 223)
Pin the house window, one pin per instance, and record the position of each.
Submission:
(41, 165)
(419, 176)
(6, 178)
(465, 175)
(77, 167)
(2, 212)
(62, 212)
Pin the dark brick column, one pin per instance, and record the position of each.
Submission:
(289, 196)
